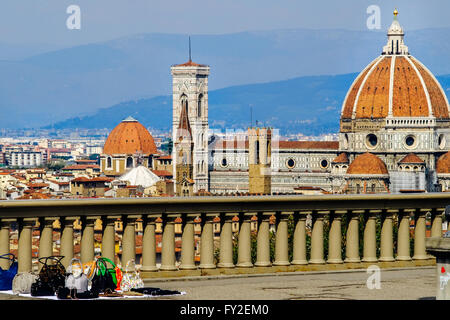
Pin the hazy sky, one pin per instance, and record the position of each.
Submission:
(44, 21)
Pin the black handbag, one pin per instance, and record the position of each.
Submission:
(103, 280)
(51, 277)
(155, 291)
(65, 293)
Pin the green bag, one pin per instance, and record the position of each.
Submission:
(114, 271)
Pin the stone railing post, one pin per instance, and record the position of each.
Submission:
(207, 242)
(299, 245)
(188, 243)
(281, 239)
(352, 238)
(109, 237)
(25, 245)
(335, 238)
(168, 243)
(87, 238)
(317, 250)
(370, 236)
(403, 252)
(66, 248)
(226, 241)
(420, 235)
(263, 240)
(244, 242)
(387, 236)
(5, 247)
(436, 222)
(149, 244)
(46, 238)
(129, 239)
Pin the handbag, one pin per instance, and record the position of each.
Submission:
(106, 278)
(76, 283)
(7, 276)
(22, 282)
(131, 280)
(51, 277)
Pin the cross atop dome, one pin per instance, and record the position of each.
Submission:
(395, 44)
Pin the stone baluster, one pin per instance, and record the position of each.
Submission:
(129, 239)
(420, 234)
(5, 247)
(317, 250)
(87, 238)
(370, 236)
(207, 242)
(436, 222)
(25, 244)
(335, 238)
(149, 244)
(299, 245)
(352, 238)
(188, 243)
(387, 240)
(168, 243)
(109, 237)
(226, 241)
(46, 238)
(66, 247)
(263, 240)
(403, 252)
(281, 239)
(244, 241)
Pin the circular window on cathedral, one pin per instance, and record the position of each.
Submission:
(324, 163)
(290, 163)
(371, 141)
(410, 142)
(224, 162)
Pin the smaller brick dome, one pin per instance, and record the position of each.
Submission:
(443, 163)
(367, 163)
(129, 137)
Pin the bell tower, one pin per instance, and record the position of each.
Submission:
(190, 95)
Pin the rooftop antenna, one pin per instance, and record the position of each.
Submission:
(190, 49)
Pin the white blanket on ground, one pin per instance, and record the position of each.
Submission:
(28, 295)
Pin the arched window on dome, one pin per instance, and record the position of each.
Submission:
(129, 162)
(200, 105)
(108, 163)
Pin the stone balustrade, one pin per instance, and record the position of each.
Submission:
(337, 218)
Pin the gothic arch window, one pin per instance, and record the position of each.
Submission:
(129, 162)
(200, 105)
(109, 162)
(184, 103)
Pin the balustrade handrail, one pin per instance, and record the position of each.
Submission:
(102, 206)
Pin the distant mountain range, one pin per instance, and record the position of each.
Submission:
(41, 87)
(311, 105)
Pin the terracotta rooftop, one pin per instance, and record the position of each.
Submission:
(190, 64)
(129, 137)
(367, 163)
(81, 167)
(443, 163)
(162, 173)
(342, 158)
(411, 158)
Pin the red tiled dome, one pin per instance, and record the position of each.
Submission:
(402, 85)
(443, 163)
(129, 137)
(367, 163)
